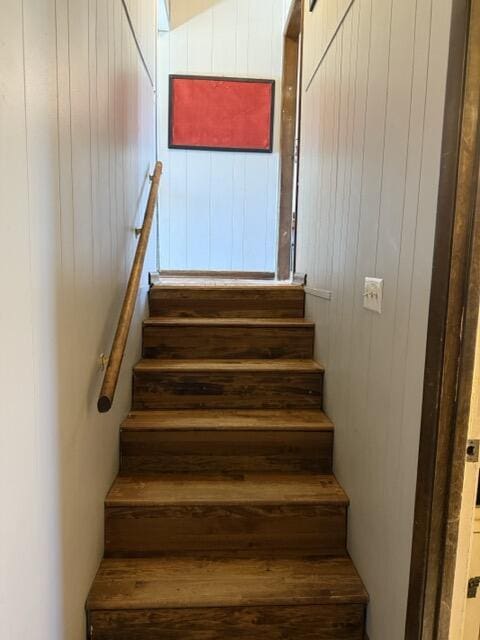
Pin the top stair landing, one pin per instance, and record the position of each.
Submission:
(221, 298)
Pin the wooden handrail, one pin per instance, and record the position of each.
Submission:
(112, 372)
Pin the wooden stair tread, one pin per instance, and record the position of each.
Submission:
(271, 366)
(156, 321)
(216, 489)
(229, 420)
(170, 582)
(207, 284)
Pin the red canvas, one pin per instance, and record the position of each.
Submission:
(221, 113)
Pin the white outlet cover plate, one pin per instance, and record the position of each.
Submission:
(373, 294)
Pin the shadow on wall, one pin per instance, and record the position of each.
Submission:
(112, 161)
(182, 11)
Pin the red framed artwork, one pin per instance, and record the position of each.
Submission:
(221, 114)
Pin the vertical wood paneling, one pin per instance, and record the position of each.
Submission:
(239, 211)
(260, 38)
(77, 139)
(143, 16)
(15, 248)
(200, 43)
(224, 51)
(371, 129)
(321, 26)
(387, 370)
(198, 209)
(221, 209)
(242, 36)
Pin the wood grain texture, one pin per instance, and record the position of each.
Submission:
(245, 323)
(252, 488)
(229, 450)
(291, 529)
(294, 19)
(287, 146)
(227, 384)
(267, 301)
(188, 513)
(149, 366)
(226, 441)
(221, 340)
(178, 582)
(117, 353)
(323, 622)
(229, 419)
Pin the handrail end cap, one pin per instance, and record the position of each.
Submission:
(104, 404)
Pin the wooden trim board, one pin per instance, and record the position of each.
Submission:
(228, 275)
(291, 54)
(451, 341)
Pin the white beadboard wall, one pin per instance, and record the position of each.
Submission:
(287, 4)
(77, 140)
(143, 16)
(219, 210)
(373, 99)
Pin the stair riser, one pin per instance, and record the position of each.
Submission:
(322, 622)
(274, 302)
(225, 451)
(298, 529)
(227, 342)
(225, 390)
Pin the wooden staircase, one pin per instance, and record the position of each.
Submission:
(225, 520)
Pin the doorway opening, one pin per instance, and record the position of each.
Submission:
(290, 141)
(219, 203)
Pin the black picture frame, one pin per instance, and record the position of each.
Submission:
(174, 77)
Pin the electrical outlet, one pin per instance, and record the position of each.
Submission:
(373, 294)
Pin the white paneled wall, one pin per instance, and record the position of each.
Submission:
(374, 90)
(77, 139)
(143, 15)
(219, 210)
(287, 5)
